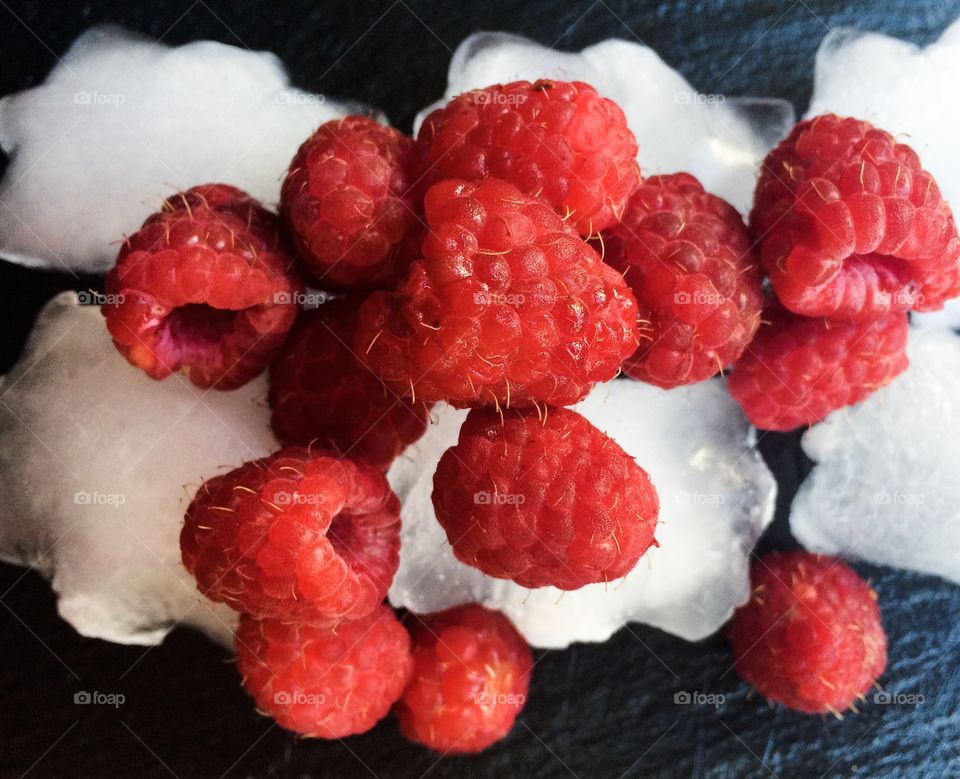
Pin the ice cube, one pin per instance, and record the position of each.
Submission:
(99, 463)
(123, 122)
(885, 486)
(716, 494)
(907, 90)
(720, 140)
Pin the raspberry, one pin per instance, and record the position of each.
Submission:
(543, 501)
(687, 257)
(810, 637)
(851, 226)
(345, 200)
(204, 287)
(556, 140)
(321, 392)
(470, 678)
(797, 370)
(508, 305)
(297, 536)
(325, 682)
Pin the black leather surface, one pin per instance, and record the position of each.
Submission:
(594, 711)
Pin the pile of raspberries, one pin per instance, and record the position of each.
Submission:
(505, 261)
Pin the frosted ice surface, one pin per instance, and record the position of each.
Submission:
(98, 464)
(905, 89)
(122, 122)
(720, 140)
(716, 497)
(885, 487)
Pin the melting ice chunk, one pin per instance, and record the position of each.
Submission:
(99, 463)
(716, 497)
(720, 140)
(885, 487)
(905, 89)
(122, 122)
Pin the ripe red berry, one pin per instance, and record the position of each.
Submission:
(507, 306)
(346, 202)
(543, 501)
(850, 225)
(205, 286)
(296, 536)
(321, 393)
(470, 679)
(810, 637)
(325, 682)
(797, 370)
(686, 255)
(557, 140)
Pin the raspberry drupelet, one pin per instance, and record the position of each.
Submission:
(851, 227)
(686, 254)
(321, 393)
(798, 369)
(325, 682)
(557, 140)
(205, 287)
(471, 674)
(347, 204)
(507, 306)
(810, 637)
(299, 535)
(543, 500)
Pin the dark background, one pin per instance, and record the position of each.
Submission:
(595, 710)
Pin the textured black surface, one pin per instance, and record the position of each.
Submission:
(605, 710)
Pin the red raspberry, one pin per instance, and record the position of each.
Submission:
(325, 682)
(811, 636)
(321, 392)
(204, 287)
(346, 202)
(797, 370)
(543, 501)
(851, 226)
(470, 678)
(297, 536)
(508, 305)
(556, 140)
(686, 255)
